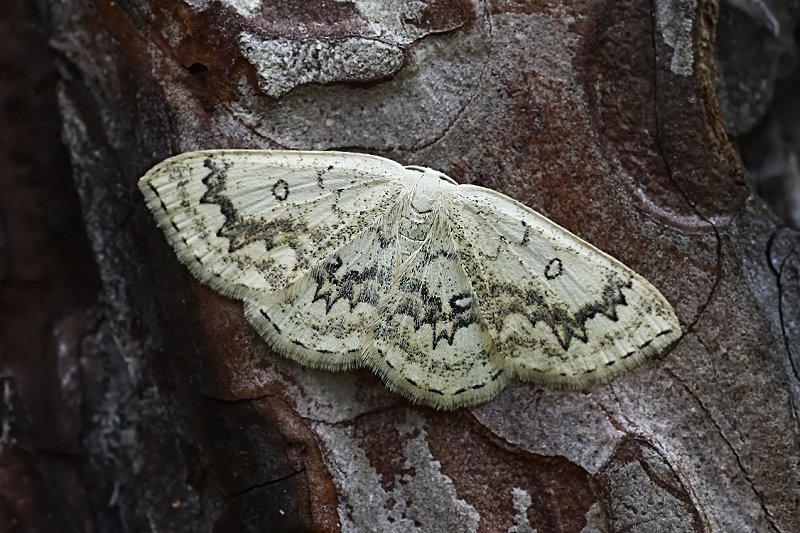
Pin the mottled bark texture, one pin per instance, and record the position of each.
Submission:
(134, 399)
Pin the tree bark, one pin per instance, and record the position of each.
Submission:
(601, 115)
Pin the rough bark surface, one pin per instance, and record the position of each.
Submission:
(600, 114)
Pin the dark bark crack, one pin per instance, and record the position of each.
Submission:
(478, 84)
(668, 167)
(759, 497)
(778, 272)
(266, 483)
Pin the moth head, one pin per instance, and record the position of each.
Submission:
(426, 170)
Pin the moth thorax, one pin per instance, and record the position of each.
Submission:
(427, 192)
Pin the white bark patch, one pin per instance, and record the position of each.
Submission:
(283, 64)
(423, 501)
(522, 502)
(675, 20)
(245, 8)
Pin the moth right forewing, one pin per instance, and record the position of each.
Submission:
(560, 311)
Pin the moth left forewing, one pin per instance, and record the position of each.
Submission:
(250, 222)
(560, 311)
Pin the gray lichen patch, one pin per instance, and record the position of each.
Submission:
(522, 502)
(393, 18)
(674, 19)
(596, 520)
(8, 418)
(419, 498)
(283, 64)
(243, 7)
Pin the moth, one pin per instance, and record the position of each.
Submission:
(446, 291)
